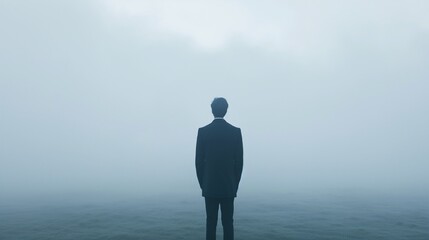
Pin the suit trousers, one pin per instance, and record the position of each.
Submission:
(227, 210)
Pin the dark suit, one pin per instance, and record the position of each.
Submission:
(219, 164)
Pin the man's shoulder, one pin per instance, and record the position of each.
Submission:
(212, 125)
(232, 126)
(205, 127)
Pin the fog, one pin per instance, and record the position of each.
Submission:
(104, 97)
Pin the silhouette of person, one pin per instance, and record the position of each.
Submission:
(219, 164)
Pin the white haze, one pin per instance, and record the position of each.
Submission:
(107, 96)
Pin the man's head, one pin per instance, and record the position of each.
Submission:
(219, 107)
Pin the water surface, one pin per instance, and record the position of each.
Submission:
(286, 216)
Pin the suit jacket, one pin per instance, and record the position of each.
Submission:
(219, 159)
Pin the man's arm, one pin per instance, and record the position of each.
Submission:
(199, 159)
(239, 158)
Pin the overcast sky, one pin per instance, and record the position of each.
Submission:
(107, 96)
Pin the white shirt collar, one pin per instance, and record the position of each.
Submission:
(218, 118)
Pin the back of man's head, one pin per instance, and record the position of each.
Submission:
(219, 107)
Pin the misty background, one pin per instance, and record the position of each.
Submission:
(104, 97)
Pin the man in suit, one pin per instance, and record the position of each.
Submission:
(219, 163)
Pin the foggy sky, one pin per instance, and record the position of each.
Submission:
(107, 96)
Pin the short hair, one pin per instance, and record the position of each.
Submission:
(219, 107)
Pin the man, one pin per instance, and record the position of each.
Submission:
(219, 163)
